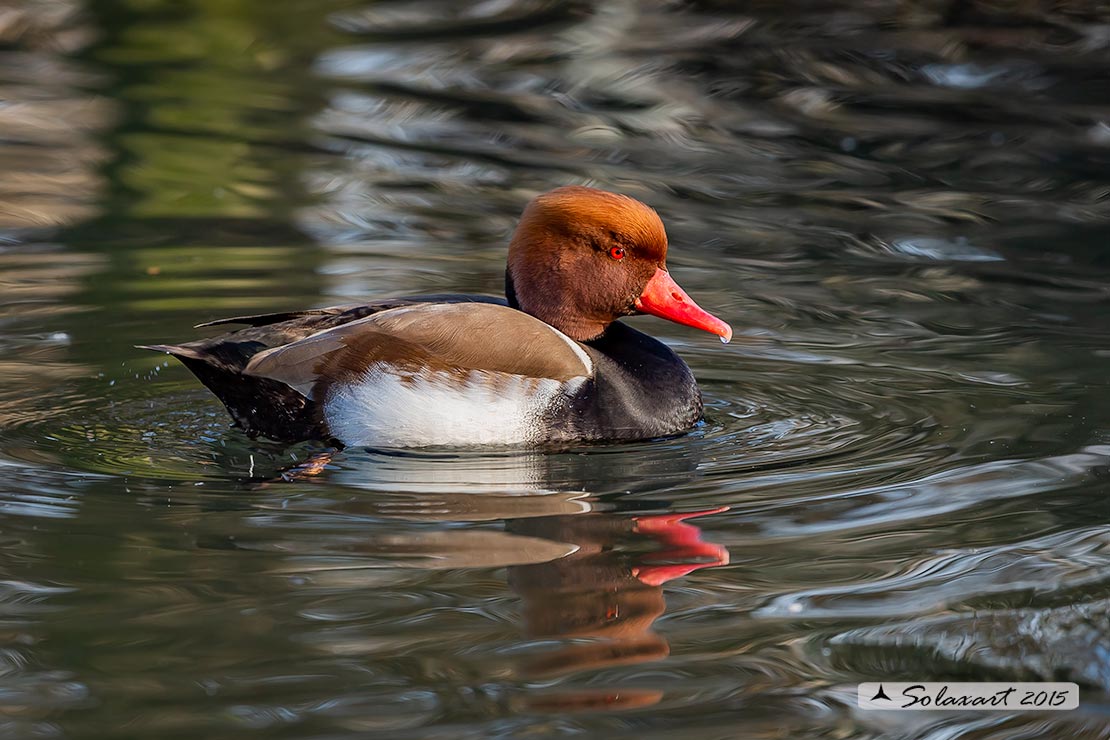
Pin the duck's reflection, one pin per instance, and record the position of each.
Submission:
(609, 590)
(588, 561)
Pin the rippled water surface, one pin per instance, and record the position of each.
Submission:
(902, 208)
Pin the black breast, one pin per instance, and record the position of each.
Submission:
(640, 389)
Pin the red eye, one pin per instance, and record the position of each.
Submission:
(616, 253)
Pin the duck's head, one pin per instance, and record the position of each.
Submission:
(581, 258)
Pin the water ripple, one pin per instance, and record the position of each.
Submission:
(1076, 559)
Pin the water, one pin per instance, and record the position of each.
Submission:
(901, 208)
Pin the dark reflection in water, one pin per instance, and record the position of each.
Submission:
(594, 592)
(585, 567)
(902, 208)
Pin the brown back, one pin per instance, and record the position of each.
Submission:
(444, 337)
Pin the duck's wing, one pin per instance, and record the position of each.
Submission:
(265, 319)
(262, 405)
(234, 350)
(347, 312)
(422, 339)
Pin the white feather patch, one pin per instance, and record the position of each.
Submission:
(388, 408)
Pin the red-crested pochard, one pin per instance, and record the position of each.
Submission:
(549, 364)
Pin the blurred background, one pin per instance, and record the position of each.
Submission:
(903, 208)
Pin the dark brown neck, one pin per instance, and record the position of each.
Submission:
(577, 328)
(510, 290)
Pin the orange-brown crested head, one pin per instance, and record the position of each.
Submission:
(581, 258)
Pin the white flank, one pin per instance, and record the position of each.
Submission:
(389, 409)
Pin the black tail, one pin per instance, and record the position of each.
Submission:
(260, 406)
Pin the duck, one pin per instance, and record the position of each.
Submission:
(550, 363)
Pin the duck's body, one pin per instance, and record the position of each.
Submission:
(461, 370)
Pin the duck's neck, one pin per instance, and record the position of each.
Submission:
(576, 327)
(510, 291)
